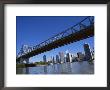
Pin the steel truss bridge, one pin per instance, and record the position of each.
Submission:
(82, 30)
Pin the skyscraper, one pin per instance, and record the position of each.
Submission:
(61, 54)
(80, 56)
(44, 58)
(87, 52)
(68, 57)
(53, 60)
(57, 59)
(65, 59)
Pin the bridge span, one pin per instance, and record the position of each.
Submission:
(80, 31)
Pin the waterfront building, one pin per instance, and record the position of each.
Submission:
(72, 56)
(61, 54)
(53, 60)
(74, 59)
(80, 56)
(87, 52)
(57, 59)
(44, 58)
(64, 58)
(68, 57)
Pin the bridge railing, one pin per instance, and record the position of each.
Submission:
(85, 23)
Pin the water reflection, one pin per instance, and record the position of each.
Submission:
(64, 68)
(27, 70)
(45, 69)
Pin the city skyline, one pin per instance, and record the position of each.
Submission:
(53, 25)
(64, 54)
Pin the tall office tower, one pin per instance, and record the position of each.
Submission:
(44, 58)
(57, 59)
(87, 52)
(64, 58)
(53, 60)
(68, 57)
(61, 54)
(80, 56)
(72, 56)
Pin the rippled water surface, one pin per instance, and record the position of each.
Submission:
(65, 68)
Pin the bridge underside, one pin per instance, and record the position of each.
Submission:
(79, 35)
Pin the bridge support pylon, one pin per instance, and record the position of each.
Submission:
(21, 61)
(27, 61)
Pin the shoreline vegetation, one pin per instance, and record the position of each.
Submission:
(23, 65)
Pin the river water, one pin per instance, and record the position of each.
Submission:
(64, 68)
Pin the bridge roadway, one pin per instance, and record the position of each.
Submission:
(74, 37)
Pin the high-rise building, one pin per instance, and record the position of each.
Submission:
(68, 57)
(44, 58)
(74, 59)
(65, 59)
(61, 54)
(87, 52)
(53, 60)
(57, 59)
(80, 56)
(72, 56)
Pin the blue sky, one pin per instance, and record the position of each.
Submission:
(32, 30)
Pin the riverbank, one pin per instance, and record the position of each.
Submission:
(29, 65)
(25, 65)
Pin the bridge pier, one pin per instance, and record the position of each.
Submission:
(27, 61)
(21, 61)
